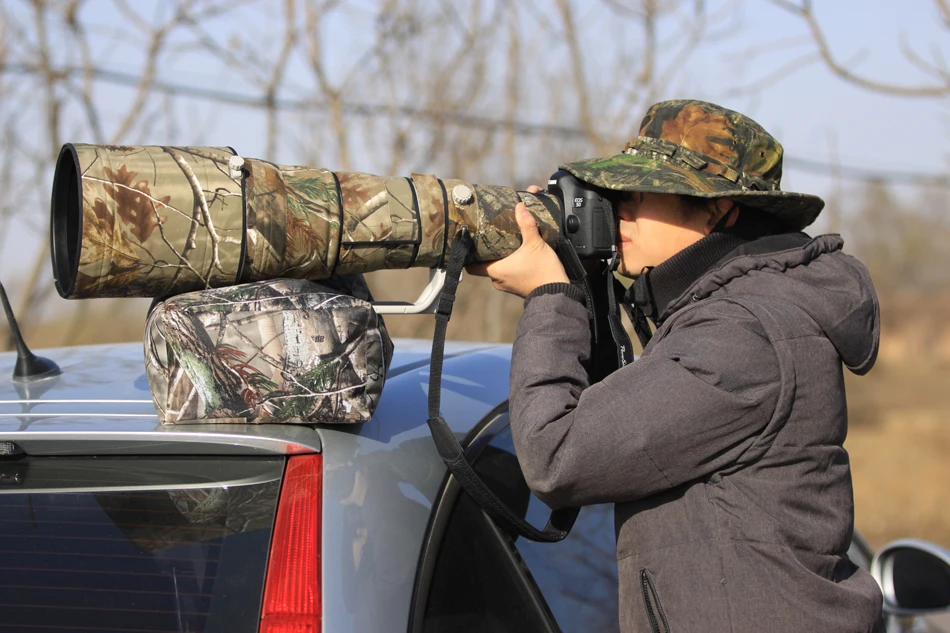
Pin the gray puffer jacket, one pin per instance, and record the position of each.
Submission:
(721, 446)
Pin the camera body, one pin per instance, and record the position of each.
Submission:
(587, 216)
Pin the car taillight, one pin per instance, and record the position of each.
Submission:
(292, 596)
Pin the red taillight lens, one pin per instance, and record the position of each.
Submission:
(292, 597)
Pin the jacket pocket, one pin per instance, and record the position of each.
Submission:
(654, 608)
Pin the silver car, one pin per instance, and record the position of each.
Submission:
(112, 522)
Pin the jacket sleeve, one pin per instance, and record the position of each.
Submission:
(688, 408)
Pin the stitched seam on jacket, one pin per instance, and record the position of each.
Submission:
(718, 522)
(781, 351)
(759, 405)
(658, 469)
(731, 299)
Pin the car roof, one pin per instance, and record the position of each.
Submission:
(101, 404)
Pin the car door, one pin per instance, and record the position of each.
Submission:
(474, 576)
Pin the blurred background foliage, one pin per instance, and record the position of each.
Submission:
(500, 92)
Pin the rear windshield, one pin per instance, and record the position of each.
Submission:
(135, 545)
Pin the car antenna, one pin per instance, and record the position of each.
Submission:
(28, 366)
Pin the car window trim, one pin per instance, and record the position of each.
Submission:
(474, 444)
(57, 475)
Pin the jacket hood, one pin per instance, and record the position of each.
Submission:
(833, 288)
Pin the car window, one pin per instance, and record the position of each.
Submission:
(578, 576)
(143, 544)
(478, 585)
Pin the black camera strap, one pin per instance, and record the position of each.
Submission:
(452, 453)
(578, 276)
(639, 320)
(624, 348)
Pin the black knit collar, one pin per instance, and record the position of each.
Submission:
(657, 287)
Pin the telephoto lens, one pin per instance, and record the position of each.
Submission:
(155, 221)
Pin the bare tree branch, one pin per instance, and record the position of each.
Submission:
(222, 53)
(943, 8)
(277, 75)
(52, 109)
(86, 93)
(649, 16)
(835, 199)
(314, 11)
(936, 70)
(577, 71)
(49, 77)
(782, 72)
(157, 37)
(513, 81)
(804, 10)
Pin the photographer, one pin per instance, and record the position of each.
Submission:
(721, 446)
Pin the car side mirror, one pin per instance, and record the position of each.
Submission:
(914, 577)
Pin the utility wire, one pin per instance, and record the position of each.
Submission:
(868, 175)
(352, 108)
(461, 119)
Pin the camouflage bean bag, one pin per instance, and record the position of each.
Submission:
(276, 351)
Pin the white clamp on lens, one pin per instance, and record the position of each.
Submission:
(236, 167)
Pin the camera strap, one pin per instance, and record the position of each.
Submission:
(452, 453)
(640, 324)
(579, 277)
(633, 303)
(624, 348)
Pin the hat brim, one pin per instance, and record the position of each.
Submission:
(625, 172)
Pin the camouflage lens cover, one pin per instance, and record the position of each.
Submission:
(380, 223)
(276, 351)
(156, 221)
(153, 220)
(293, 222)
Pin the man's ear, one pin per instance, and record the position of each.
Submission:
(724, 206)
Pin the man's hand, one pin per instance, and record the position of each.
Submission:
(533, 264)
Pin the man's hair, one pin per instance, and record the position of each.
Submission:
(691, 206)
(752, 223)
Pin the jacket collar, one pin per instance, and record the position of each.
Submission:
(656, 288)
(710, 263)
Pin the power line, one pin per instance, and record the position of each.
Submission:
(522, 128)
(352, 108)
(868, 175)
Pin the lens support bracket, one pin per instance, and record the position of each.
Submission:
(427, 302)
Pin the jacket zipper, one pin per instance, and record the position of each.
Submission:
(655, 613)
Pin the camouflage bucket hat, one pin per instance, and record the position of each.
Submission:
(695, 148)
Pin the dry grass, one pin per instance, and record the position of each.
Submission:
(899, 439)
(899, 442)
